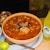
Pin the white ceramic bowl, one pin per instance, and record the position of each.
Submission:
(22, 41)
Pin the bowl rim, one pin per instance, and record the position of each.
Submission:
(18, 14)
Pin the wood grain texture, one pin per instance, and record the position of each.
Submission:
(45, 45)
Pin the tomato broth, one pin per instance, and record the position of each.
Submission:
(22, 27)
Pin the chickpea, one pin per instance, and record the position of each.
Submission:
(32, 21)
(25, 17)
(31, 28)
(14, 18)
(37, 27)
(36, 23)
(28, 18)
(11, 22)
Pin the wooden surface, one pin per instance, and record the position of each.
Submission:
(45, 44)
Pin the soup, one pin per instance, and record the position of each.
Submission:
(22, 27)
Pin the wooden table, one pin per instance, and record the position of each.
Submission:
(44, 45)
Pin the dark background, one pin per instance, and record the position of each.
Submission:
(15, 6)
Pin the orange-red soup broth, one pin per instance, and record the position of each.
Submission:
(22, 27)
